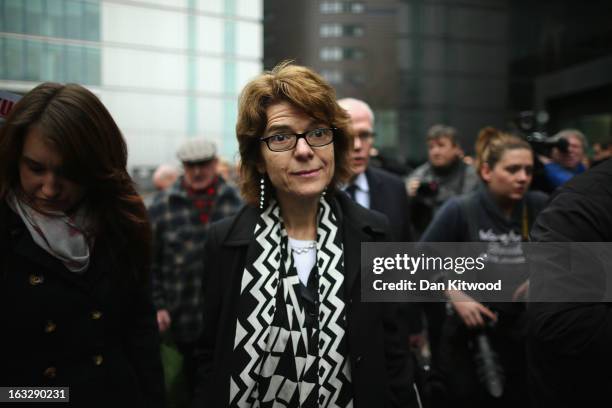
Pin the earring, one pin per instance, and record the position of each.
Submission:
(262, 193)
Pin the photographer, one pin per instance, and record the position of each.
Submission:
(500, 213)
(566, 163)
(443, 176)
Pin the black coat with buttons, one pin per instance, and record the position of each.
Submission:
(87, 332)
(381, 367)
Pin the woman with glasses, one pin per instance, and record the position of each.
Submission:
(283, 321)
(499, 214)
(74, 256)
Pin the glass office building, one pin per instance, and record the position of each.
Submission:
(166, 69)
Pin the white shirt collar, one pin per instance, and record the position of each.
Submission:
(361, 182)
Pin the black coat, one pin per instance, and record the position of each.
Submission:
(381, 369)
(569, 353)
(388, 195)
(83, 332)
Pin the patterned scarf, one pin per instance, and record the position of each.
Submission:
(278, 361)
(60, 235)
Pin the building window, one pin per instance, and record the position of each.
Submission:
(353, 30)
(333, 76)
(337, 7)
(76, 19)
(33, 60)
(331, 30)
(331, 53)
(350, 53)
(341, 53)
(341, 30)
(356, 78)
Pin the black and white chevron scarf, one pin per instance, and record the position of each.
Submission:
(277, 360)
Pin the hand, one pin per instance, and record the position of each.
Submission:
(544, 160)
(413, 186)
(521, 292)
(469, 310)
(416, 341)
(163, 320)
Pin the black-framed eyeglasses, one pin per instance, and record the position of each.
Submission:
(286, 141)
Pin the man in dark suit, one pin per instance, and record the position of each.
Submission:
(381, 191)
(371, 187)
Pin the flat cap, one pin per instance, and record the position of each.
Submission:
(196, 150)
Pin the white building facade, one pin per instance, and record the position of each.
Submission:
(167, 70)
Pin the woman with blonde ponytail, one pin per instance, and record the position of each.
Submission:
(499, 213)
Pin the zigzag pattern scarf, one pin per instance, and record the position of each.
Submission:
(278, 361)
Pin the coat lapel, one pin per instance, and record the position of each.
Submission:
(358, 226)
(375, 193)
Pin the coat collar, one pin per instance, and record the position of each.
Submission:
(21, 241)
(357, 225)
(374, 182)
(359, 219)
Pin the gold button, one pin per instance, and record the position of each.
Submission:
(96, 315)
(98, 359)
(50, 372)
(36, 280)
(50, 327)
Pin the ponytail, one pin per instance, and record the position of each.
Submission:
(492, 143)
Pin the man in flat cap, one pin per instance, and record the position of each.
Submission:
(180, 217)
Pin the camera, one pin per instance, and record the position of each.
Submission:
(488, 367)
(427, 188)
(543, 144)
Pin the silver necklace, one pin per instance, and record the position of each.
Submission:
(303, 250)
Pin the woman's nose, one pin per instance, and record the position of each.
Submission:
(522, 175)
(303, 148)
(51, 186)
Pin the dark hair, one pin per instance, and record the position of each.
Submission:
(307, 91)
(493, 143)
(440, 131)
(94, 154)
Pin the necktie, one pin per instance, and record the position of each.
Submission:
(350, 190)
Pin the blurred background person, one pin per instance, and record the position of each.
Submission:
(164, 176)
(499, 213)
(563, 165)
(74, 255)
(180, 217)
(228, 171)
(443, 176)
(601, 153)
(568, 347)
(369, 186)
(284, 324)
(379, 190)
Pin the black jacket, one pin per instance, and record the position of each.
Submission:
(83, 332)
(381, 369)
(388, 195)
(569, 344)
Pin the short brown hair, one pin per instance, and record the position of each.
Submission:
(439, 131)
(307, 91)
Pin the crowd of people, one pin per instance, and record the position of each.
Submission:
(255, 282)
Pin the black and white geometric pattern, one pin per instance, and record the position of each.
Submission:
(278, 361)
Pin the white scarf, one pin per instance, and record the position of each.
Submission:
(60, 235)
